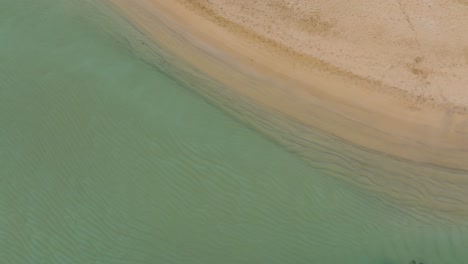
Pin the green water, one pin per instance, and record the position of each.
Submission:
(104, 159)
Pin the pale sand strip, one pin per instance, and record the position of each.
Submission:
(316, 95)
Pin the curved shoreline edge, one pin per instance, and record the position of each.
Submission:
(318, 118)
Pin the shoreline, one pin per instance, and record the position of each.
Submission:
(426, 134)
(391, 153)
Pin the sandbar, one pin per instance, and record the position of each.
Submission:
(384, 81)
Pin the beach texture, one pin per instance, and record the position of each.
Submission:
(162, 132)
(372, 93)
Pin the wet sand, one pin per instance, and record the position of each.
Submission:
(371, 93)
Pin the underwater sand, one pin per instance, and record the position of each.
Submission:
(407, 147)
(109, 155)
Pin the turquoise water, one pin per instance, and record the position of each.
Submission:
(105, 159)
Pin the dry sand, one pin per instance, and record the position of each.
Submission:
(379, 77)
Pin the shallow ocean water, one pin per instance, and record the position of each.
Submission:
(106, 159)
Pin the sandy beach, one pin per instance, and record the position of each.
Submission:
(222, 131)
(385, 80)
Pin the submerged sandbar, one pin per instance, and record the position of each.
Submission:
(384, 80)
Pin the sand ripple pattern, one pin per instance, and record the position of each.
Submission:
(104, 159)
(428, 189)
